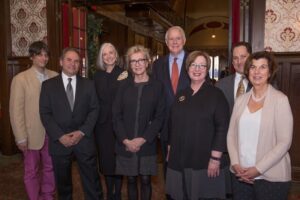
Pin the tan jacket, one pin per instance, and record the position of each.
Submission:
(24, 108)
(275, 135)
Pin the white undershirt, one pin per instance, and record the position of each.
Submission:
(249, 125)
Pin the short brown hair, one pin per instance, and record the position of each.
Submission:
(247, 45)
(192, 57)
(272, 65)
(67, 49)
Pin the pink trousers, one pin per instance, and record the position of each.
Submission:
(38, 174)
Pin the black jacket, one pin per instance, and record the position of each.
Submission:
(150, 118)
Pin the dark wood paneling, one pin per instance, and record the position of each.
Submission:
(6, 139)
(289, 82)
(116, 34)
(257, 24)
(54, 33)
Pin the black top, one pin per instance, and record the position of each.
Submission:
(151, 114)
(198, 125)
(106, 86)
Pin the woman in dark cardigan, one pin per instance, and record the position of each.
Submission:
(107, 80)
(198, 127)
(138, 114)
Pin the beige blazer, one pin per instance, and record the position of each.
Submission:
(24, 108)
(275, 135)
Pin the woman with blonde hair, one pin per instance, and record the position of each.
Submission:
(138, 114)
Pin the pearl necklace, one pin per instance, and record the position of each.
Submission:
(258, 99)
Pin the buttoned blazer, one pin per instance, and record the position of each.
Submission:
(59, 119)
(227, 86)
(275, 135)
(24, 108)
(161, 72)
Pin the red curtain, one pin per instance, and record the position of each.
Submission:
(235, 21)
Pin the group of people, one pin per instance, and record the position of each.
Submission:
(228, 141)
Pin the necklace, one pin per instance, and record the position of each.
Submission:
(259, 98)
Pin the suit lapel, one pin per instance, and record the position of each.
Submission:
(167, 74)
(78, 91)
(183, 77)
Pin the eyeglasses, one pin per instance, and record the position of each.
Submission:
(200, 66)
(140, 61)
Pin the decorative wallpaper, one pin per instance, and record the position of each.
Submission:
(28, 24)
(282, 25)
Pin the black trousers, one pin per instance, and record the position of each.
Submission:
(260, 190)
(87, 164)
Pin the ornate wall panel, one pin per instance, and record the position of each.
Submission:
(28, 24)
(282, 25)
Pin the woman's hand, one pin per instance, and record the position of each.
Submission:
(138, 142)
(238, 169)
(213, 169)
(249, 175)
(130, 146)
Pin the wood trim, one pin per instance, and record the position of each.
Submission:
(54, 30)
(257, 24)
(289, 83)
(7, 144)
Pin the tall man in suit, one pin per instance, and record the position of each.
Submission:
(170, 69)
(230, 84)
(27, 127)
(69, 109)
(233, 86)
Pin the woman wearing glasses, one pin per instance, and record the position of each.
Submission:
(138, 114)
(198, 127)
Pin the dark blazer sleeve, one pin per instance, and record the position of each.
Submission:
(87, 127)
(46, 114)
(117, 110)
(221, 122)
(155, 125)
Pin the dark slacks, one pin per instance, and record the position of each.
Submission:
(260, 190)
(87, 164)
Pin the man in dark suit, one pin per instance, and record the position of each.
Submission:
(163, 70)
(69, 109)
(229, 85)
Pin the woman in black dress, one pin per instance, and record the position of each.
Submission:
(107, 80)
(138, 114)
(198, 126)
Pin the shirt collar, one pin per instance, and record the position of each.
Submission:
(180, 56)
(65, 77)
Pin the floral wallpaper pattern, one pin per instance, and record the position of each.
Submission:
(282, 25)
(28, 24)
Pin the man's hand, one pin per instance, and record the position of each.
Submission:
(66, 140)
(22, 146)
(76, 136)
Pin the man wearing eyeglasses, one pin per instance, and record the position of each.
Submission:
(171, 71)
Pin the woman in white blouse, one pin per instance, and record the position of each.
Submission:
(260, 135)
